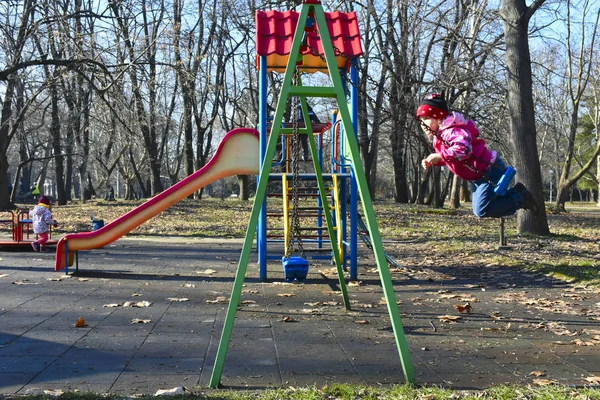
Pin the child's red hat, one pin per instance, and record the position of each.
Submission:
(44, 200)
(433, 106)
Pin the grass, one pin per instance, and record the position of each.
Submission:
(347, 392)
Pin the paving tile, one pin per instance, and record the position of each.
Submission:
(473, 381)
(168, 366)
(22, 346)
(24, 364)
(325, 345)
(12, 382)
(132, 383)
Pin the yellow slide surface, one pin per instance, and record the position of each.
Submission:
(237, 154)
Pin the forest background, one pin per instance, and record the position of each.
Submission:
(136, 94)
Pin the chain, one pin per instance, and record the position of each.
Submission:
(348, 59)
(295, 231)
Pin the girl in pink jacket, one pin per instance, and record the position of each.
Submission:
(41, 218)
(458, 146)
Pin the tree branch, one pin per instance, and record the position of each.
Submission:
(5, 73)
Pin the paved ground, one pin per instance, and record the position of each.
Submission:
(519, 324)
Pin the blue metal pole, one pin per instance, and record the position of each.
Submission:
(261, 236)
(353, 185)
(66, 257)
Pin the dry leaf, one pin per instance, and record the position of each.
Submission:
(188, 285)
(537, 373)
(53, 392)
(285, 294)
(361, 322)
(80, 323)
(112, 305)
(138, 304)
(219, 299)
(137, 295)
(354, 283)
(206, 272)
(3, 275)
(580, 342)
(59, 278)
(170, 392)
(448, 296)
(247, 302)
(449, 318)
(288, 319)
(545, 382)
(463, 307)
(316, 304)
(140, 321)
(593, 380)
(175, 299)
(82, 279)
(428, 397)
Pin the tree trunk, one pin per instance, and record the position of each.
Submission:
(455, 193)
(58, 156)
(244, 183)
(465, 191)
(516, 17)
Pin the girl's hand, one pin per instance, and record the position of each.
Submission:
(432, 159)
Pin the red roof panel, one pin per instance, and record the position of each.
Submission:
(275, 33)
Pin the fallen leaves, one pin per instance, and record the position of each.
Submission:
(545, 382)
(217, 300)
(171, 392)
(208, 271)
(25, 282)
(595, 380)
(464, 307)
(177, 299)
(139, 304)
(140, 321)
(537, 373)
(449, 318)
(80, 323)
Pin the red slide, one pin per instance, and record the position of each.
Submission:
(237, 154)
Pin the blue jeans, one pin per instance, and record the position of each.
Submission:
(488, 204)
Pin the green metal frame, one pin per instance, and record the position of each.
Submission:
(335, 91)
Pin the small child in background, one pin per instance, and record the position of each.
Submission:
(41, 217)
(457, 145)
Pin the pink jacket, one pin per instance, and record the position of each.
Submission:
(41, 218)
(461, 149)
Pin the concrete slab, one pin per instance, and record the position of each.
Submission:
(292, 334)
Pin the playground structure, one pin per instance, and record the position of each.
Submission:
(20, 226)
(237, 154)
(273, 32)
(247, 151)
(310, 49)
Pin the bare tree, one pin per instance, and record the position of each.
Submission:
(516, 16)
(576, 83)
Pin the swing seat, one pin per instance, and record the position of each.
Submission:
(294, 268)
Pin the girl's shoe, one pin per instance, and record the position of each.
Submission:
(36, 246)
(44, 249)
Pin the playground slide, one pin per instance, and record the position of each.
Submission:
(237, 154)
